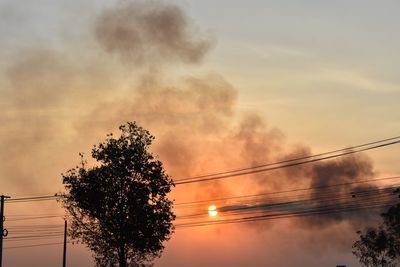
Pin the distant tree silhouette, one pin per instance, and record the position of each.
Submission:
(391, 220)
(381, 246)
(375, 248)
(119, 207)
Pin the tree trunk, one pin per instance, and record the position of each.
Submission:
(122, 262)
(122, 257)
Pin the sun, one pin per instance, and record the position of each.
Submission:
(212, 211)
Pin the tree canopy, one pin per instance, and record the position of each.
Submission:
(119, 207)
(381, 246)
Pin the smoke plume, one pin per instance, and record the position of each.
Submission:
(57, 107)
(147, 32)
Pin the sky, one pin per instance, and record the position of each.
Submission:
(221, 85)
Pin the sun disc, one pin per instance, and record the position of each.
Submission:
(212, 211)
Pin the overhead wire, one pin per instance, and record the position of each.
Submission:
(336, 199)
(329, 210)
(286, 191)
(251, 170)
(254, 197)
(32, 199)
(395, 139)
(240, 172)
(284, 164)
(34, 245)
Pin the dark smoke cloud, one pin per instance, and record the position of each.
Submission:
(341, 171)
(56, 105)
(259, 143)
(148, 32)
(197, 126)
(183, 115)
(335, 185)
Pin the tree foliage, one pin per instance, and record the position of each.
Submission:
(381, 246)
(119, 207)
(375, 248)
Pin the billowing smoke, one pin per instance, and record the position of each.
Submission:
(341, 171)
(59, 107)
(148, 32)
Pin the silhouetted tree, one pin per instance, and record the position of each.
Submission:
(381, 246)
(119, 207)
(375, 248)
(391, 220)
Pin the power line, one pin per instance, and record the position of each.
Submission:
(35, 226)
(251, 170)
(297, 202)
(35, 245)
(374, 202)
(20, 195)
(284, 215)
(29, 232)
(285, 164)
(33, 237)
(332, 199)
(240, 172)
(294, 159)
(49, 215)
(32, 199)
(286, 191)
(34, 218)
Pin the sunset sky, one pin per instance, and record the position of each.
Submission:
(222, 85)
